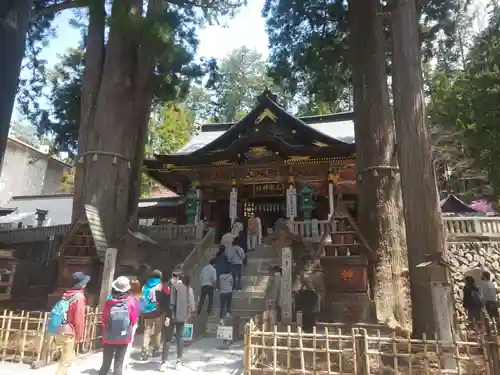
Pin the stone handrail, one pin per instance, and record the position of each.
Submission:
(189, 232)
(455, 226)
(460, 226)
(310, 229)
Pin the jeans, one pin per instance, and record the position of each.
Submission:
(206, 290)
(237, 271)
(168, 333)
(152, 333)
(67, 353)
(225, 304)
(112, 352)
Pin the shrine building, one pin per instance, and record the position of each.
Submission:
(269, 163)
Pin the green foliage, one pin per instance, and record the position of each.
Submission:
(170, 127)
(309, 43)
(240, 78)
(468, 101)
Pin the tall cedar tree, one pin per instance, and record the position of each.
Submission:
(424, 226)
(145, 54)
(378, 186)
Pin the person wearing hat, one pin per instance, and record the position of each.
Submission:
(72, 331)
(119, 316)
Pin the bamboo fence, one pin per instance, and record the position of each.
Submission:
(334, 349)
(23, 337)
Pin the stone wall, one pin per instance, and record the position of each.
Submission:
(466, 256)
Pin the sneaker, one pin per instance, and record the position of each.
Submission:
(163, 367)
(144, 357)
(221, 322)
(178, 364)
(228, 315)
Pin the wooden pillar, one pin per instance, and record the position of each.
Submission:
(331, 198)
(233, 204)
(291, 203)
(108, 273)
(286, 285)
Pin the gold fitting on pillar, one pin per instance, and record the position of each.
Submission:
(233, 182)
(196, 183)
(333, 178)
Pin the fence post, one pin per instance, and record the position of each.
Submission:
(361, 345)
(492, 348)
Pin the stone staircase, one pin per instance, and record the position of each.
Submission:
(251, 300)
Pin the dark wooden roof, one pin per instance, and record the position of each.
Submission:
(267, 125)
(452, 204)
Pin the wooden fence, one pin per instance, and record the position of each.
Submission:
(23, 337)
(360, 350)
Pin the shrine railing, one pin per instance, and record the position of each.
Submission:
(310, 229)
(190, 232)
(455, 226)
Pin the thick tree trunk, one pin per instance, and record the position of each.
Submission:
(424, 229)
(14, 22)
(379, 186)
(113, 133)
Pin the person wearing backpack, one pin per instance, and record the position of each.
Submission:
(152, 312)
(119, 316)
(67, 321)
(472, 302)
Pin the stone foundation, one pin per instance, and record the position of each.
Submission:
(465, 256)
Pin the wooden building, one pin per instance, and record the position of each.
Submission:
(270, 163)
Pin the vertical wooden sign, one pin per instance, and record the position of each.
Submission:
(233, 205)
(108, 274)
(286, 285)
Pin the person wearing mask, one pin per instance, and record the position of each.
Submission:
(66, 324)
(153, 317)
(489, 292)
(472, 302)
(226, 293)
(208, 280)
(119, 316)
(236, 256)
(182, 305)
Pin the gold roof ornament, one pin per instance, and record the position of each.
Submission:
(221, 162)
(319, 144)
(266, 113)
(258, 149)
(299, 158)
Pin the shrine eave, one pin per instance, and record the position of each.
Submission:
(275, 144)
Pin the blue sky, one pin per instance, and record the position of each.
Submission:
(246, 29)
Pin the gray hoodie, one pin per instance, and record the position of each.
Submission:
(226, 283)
(181, 301)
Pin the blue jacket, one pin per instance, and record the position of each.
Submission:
(149, 291)
(221, 263)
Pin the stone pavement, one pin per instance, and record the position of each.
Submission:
(202, 357)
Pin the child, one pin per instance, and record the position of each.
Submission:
(226, 293)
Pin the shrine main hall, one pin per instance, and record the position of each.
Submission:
(269, 163)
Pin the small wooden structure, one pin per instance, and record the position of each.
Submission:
(83, 250)
(8, 265)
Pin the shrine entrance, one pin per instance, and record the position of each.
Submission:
(268, 209)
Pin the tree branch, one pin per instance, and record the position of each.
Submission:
(55, 8)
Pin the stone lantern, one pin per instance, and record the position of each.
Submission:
(191, 205)
(306, 202)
